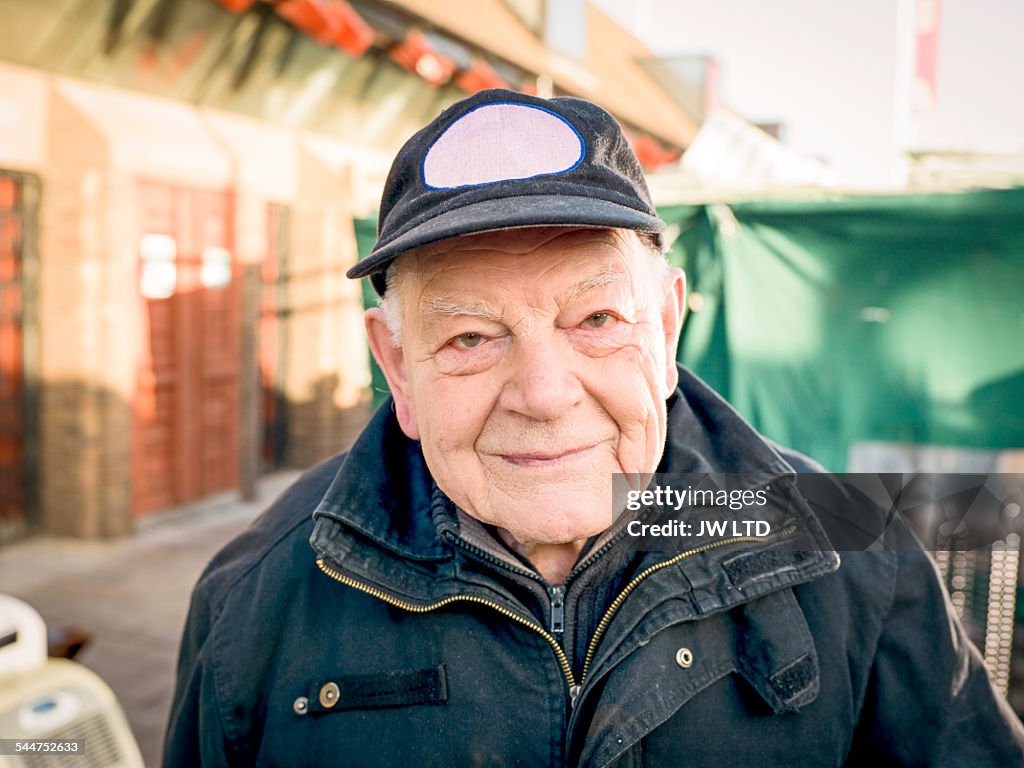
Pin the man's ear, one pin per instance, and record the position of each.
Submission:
(392, 362)
(672, 310)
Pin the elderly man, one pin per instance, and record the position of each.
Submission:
(461, 588)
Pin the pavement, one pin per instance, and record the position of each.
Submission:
(132, 594)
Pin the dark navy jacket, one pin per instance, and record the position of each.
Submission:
(408, 636)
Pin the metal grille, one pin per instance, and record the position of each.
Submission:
(1002, 603)
(101, 749)
(986, 602)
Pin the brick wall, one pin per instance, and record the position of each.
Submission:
(91, 327)
(85, 415)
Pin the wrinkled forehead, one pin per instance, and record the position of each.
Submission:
(510, 251)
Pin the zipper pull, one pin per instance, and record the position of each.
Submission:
(557, 594)
(574, 693)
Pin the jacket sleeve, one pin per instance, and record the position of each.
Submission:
(930, 701)
(195, 733)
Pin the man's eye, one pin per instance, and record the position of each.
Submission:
(597, 320)
(468, 340)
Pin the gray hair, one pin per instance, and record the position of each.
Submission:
(400, 269)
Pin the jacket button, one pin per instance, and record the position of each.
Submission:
(329, 695)
(684, 658)
(301, 705)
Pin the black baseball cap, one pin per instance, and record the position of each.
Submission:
(505, 160)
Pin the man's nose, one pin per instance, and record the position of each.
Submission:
(542, 384)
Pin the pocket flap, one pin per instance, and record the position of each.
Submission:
(775, 652)
(374, 690)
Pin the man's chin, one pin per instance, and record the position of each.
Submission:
(554, 527)
(543, 510)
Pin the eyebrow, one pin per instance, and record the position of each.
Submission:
(607, 276)
(445, 307)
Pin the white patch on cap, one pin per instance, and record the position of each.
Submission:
(498, 142)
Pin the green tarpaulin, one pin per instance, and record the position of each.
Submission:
(896, 319)
(366, 236)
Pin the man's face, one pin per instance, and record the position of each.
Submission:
(534, 364)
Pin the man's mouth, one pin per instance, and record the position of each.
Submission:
(545, 458)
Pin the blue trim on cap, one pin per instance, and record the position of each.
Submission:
(574, 166)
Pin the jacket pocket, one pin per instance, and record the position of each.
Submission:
(673, 690)
(376, 690)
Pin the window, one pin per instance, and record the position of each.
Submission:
(159, 275)
(215, 270)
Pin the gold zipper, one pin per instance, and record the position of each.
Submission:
(563, 660)
(618, 601)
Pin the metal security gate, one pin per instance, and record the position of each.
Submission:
(187, 421)
(18, 204)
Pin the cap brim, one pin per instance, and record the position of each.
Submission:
(510, 213)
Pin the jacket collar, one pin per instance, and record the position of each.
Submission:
(384, 494)
(705, 435)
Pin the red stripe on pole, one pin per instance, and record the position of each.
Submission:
(329, 23)
(309, 16)
(352, 34)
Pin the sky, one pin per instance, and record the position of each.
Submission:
(828, 71)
